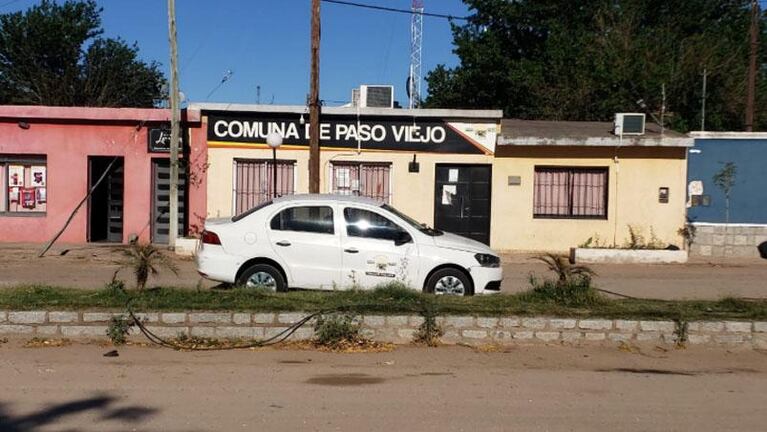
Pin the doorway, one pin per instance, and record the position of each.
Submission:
(462, 200)
(105, 205)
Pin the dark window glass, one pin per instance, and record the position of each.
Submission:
(304, 219)
(363, 223)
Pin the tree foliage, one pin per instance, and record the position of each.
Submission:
(53, 54)
(588, 59)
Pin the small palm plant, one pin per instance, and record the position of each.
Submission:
(566, 272)
(145, 259)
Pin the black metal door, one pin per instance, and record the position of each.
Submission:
(115, 203)
(462, 200)
(161, 200)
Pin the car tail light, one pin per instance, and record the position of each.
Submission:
(209, 237)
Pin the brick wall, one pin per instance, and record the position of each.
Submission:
(395, 328)
(721, 240)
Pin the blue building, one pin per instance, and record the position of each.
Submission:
(717, 231)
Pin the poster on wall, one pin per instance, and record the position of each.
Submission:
(28, 198)
(13, 194)
(38, 176)
(41, 195)
(15, 175)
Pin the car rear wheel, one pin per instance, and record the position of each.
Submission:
(449, 281)
(264, 276)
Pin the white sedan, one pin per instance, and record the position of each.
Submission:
(330, 242)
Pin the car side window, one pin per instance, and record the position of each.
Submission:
(366, 224)
(315, 219)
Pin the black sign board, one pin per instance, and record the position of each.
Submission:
(347, 132)
(158, 140)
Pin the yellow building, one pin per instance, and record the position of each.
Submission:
(458, 170)
(558, 184)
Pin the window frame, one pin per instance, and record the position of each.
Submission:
(358, 165)
(573, 169)
(346, 225)
(279, 212)
(267, 162)
(27, 161)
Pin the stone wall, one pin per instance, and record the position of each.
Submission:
(395, 328)
(722, 240)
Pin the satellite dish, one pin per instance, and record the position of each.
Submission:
(182, 97)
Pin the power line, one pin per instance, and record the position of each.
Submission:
(389, 9)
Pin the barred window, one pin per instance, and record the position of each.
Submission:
(565, 192)
(253, 180)
(360, 178)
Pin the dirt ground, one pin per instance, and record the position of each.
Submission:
(410, 389)
(93, 266)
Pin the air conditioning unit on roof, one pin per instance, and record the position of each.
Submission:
(629, 124)
(373, 96)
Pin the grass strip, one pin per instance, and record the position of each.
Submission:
(386, 300)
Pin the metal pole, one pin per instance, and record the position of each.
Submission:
(175, 126)
(314, 103)
(274, 172)
(751, 87)
(703, 102)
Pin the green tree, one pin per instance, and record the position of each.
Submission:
(724, 179)
(588, 59)
(53, 54)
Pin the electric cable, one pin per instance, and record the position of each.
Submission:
(391, 9)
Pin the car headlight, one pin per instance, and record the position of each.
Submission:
(487, 260)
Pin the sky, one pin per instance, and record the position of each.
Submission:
(266, 43)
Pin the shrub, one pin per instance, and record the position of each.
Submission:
(118, 329)
(565, 271)
(576, 292)
(336, 330)
(429, 332)
(145, 259)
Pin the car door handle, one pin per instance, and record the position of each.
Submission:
(283, 243)
(351, 250)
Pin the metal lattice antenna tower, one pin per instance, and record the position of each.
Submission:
(416, 37)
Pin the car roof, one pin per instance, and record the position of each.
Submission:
(337, 198)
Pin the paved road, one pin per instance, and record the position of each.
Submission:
(410, 389)
(92, 267)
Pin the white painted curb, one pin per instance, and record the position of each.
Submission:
(628, 256)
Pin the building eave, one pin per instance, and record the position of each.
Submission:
(93, 114)
(627, 141)
(494, 115)
(728, 135)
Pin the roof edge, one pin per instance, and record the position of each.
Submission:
(728, 135)
(597, 141)
(393, 112)
(29, 112)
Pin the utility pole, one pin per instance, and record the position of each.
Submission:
(314, 103)
(703, 102)
(751, 87)
(175, 128)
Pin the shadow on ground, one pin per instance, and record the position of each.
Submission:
(102, 405)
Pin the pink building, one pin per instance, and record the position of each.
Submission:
(50, 157)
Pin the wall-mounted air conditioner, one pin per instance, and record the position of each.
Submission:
(629, 124)
(373, 96)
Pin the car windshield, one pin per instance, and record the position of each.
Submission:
(251, 211)
(417, 225)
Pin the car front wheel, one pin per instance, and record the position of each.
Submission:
(264, 276)
(449, 281)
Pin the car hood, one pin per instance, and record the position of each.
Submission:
(454, 241)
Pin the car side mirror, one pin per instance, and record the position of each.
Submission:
(402, 238)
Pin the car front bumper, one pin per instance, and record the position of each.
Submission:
(486, 277)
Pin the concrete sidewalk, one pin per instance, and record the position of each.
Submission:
(92, 266)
